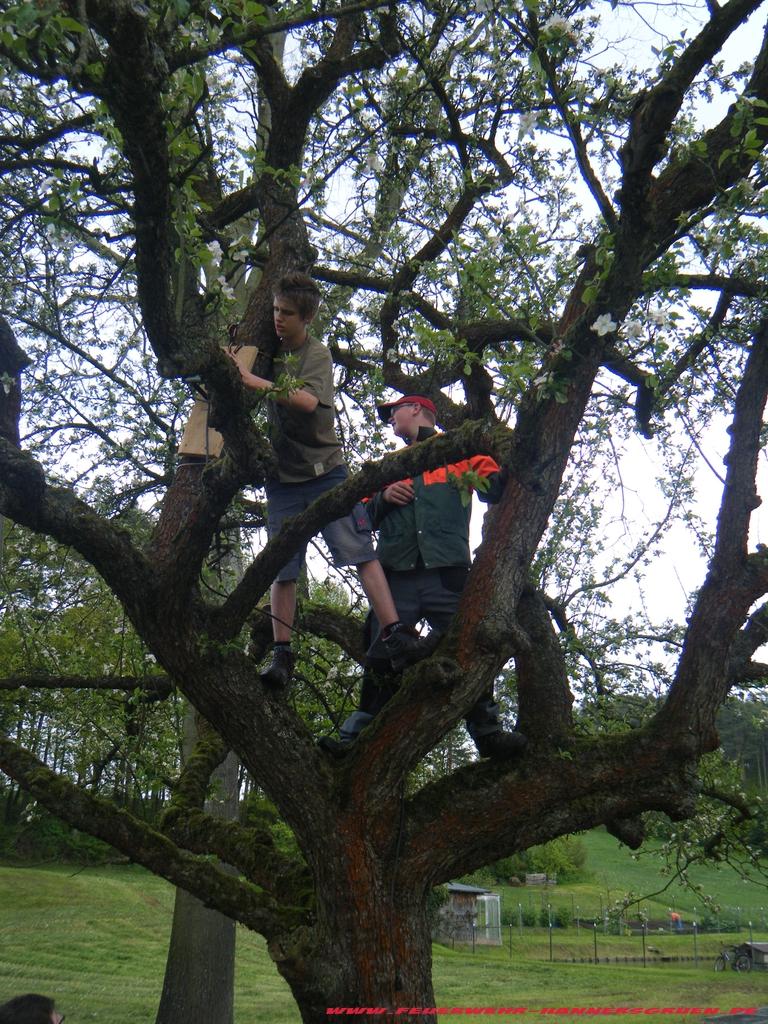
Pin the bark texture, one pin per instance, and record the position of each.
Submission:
(346, 919)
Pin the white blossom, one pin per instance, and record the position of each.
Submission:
(528, 124)
(557, 23)
(604, 324)
(215, 250)
(658, 316)
(225, 288)
(373, 162)
(151, 658)
(241, 256)
(47, 184)
(633, 329)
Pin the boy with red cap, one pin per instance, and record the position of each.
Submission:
(423, 546)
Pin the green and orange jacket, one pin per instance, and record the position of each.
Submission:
(433, 529)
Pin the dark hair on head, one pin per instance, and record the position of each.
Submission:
(300, 289)
(28, 1009)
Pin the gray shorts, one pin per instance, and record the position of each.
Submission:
(348, 539)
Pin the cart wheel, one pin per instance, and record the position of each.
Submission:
(743, 962)
(720, 962)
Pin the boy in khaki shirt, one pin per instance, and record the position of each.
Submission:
(301, 429)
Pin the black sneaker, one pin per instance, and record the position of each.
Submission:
(403, 647)
(501, 746)
(336, 748)
(279, 671)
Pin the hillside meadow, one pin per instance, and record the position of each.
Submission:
(96, 939)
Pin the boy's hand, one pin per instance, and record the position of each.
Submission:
(399, 493)
(249, 379)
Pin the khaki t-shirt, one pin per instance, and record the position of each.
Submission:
(305, 443)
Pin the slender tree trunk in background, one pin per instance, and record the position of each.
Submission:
(200, 969)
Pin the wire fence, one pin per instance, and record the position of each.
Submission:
(609, 940)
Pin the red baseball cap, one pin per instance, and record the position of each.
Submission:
(385, 411)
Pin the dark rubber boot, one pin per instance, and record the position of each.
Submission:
(278, 673)
(336, 748)
(403, 647)
(501, 746)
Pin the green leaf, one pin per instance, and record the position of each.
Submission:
(70, 25)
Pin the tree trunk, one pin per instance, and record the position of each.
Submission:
(370, 945)
(200, 969)
(375, 953)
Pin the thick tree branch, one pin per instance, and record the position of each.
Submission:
(750, 288)
(735, 579)
(12, 361)
(751, 672)
(200, 494)
(533, 803)
(29, 500)
(143, 844)
(135, 79)
(252, 851)
(31, 143)
(750, 639)
(315, 84)
(690, 183)
(149, 687)
(343, 629)
(544, 697)
(656, 109)
(243, 38)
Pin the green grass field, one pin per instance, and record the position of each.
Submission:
(96, 939)
(614, 870)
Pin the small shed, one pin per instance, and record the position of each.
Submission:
(757, 952)
(472, 915)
